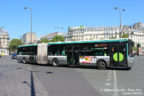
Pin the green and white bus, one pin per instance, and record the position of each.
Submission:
(101, 53)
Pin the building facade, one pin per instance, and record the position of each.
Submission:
(82, 33)
(92, 33)
(26, 38)
(4, 42)
(51, 35)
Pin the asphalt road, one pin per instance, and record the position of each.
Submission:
(86, 81)
(68, 81)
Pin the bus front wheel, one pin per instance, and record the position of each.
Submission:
(101, 64)
(55, 62)
(24, 61)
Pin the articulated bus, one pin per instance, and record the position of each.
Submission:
(101, 53)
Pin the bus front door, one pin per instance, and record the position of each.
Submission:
(32, 59)
(118, 55)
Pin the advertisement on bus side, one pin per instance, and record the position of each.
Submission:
(87, 59)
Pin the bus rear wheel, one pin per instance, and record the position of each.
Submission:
(55, 62)
(101, 65)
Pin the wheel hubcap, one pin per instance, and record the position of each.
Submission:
(102, 65)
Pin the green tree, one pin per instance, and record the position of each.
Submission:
(14, 43)
(125, 35)
(132, 33)
(135, 48)
(91, 39)
(73, 40)
(58, 38)
(44, 40)
(112, 38)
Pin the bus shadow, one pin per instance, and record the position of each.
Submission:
(69, 66)
(80, 67)
(120, 69)
(93, 67)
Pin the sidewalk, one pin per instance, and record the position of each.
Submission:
(17, 79)
(12, 78)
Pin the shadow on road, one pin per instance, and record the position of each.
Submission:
(80, 67)
(31, 84)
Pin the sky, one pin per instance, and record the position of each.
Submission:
(57, 15)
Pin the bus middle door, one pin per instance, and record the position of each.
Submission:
(72, 55)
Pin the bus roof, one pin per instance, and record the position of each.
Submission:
(76, 42)
(27, 45)
(96, 41)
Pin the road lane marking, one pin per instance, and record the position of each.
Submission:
(108, 79)
(108, 84)
(109, 76)
(115, 84)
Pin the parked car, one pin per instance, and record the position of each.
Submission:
(14, 56)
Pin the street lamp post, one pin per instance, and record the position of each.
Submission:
(31, 23)
(120, 10)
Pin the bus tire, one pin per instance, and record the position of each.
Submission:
(101, 65)
(55, 62)
(24, 61)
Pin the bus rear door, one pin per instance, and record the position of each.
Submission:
(118, 55)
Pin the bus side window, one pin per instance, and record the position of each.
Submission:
(20, 53)
(49, 51)
(63, 52)
(96, 53)
(55, 50)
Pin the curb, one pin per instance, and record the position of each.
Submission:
(40, 90)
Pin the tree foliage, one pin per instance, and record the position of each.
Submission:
(58, 38)
(132, 33)
(135, 48)
(44, 40)
(14, 43)
(112, 38)
(91, 39)
(73, 40)
(125, 35)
